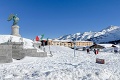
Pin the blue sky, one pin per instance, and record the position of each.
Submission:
(55, 18)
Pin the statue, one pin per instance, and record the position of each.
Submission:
(14, 18)
(15, 27)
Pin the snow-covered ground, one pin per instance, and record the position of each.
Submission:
(63, 66)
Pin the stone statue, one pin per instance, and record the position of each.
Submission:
(15, 27)
(14, 18)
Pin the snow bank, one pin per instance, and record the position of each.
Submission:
(28, 44)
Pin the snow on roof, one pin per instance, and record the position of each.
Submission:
(56, 40)
(83, 41)
(106, 45)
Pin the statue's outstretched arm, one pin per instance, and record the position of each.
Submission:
(10, 17)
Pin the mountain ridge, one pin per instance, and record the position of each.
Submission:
(111, 33)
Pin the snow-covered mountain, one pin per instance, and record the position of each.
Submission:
(111, 33)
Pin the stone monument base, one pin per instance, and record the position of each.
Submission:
(15, 30)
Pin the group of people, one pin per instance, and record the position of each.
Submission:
(95, 51)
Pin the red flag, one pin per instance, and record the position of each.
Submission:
(37, 38)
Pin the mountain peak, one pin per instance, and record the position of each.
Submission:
(109, 28)
(78, 33)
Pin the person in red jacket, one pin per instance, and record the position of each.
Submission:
(97, 51)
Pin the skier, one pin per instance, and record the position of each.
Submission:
(94, 51)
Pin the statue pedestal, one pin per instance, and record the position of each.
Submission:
(15, 30)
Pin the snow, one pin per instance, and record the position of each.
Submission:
(28, 44)
(106, 45)
(63, 66)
